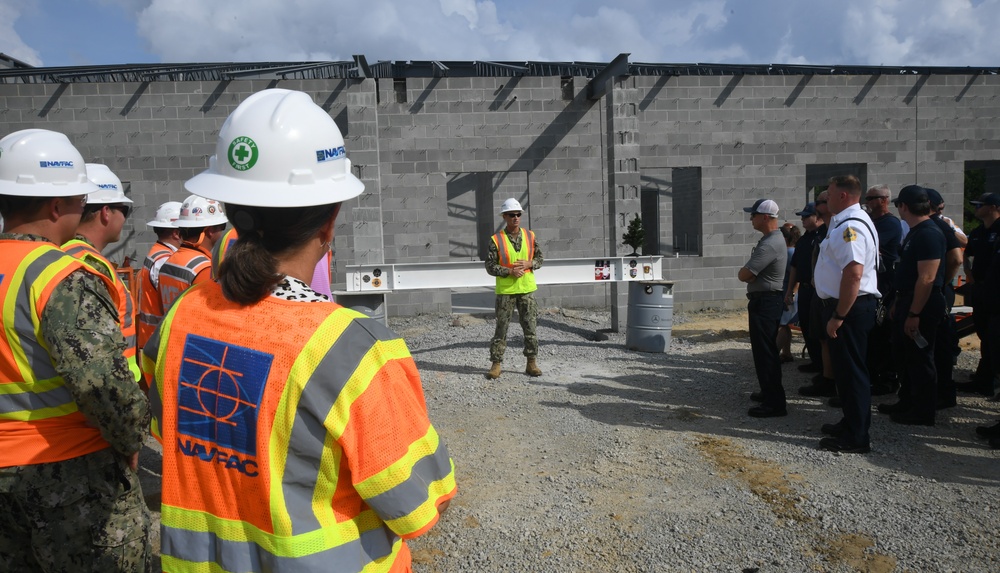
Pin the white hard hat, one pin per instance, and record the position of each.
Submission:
(510, 205)
(111, 190)
(278, 149)
(167, 215)
(41, 163)
(200, 212)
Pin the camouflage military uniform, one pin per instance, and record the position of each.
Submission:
(85, 513)
(527, 309)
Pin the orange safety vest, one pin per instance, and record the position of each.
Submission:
(39, 420)
(184, 269)
(507, 256)
(150, 303)
(126, 307)
(295, 438)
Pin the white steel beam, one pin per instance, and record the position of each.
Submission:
(416, 276)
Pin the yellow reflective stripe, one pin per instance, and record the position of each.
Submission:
(298, 376)
(34, 388)
(9, 388)
(421, 516)
(133, 366)
(81, 249)
(10, 305)
(174, 565)
(389, 350)
(400, 471)
(41, 413)
(282, 546)
(155, 367)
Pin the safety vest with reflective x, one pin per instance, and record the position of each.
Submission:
(93, 258)
(39, 420)
(150, 303)
(507, 256)
(187, 267)
(295, 438)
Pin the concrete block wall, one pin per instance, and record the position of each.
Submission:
(751, 136)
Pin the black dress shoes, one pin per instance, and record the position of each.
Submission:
(910, 419)
(974, 388)
(942, 404)
(766, 412)
(810, 367)
(989, 431)
(834, 402)
(756, 397)
(835, 430)
(835, 445)
(821, 387)
(893, 408)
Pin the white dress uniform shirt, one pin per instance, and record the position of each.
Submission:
(847, 242)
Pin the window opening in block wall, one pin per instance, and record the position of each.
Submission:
(980, 177)
(818, 179)
(671, 211)
(474, 209)
(566, 82)
(399, 87)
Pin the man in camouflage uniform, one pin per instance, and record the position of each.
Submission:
(513, 257)
(72, 418)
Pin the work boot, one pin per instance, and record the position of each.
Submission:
(494, 372)
(532, 368)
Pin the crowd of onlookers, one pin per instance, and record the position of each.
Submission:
(872, 293)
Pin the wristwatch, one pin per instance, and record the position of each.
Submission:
(912, 314)
(838, 316)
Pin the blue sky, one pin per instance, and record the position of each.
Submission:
(846, 32)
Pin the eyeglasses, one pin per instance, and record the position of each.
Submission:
(821, 202)
(125, 209)
(874, 197)
(513, 215)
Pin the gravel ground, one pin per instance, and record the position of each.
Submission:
(616, 460)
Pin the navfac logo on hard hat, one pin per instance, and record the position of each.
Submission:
(243, 153)
(65, 164)
(108, 186)
(329, 154)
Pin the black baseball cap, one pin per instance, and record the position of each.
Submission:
(911, 195)
(807, 211)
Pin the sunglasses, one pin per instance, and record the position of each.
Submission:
(821, 202)
(875, 197)
(125, 209)
(513, 215)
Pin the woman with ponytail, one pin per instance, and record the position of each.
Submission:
(295, 431)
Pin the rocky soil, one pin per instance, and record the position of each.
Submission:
(616, 460)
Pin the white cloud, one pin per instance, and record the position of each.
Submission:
(923, 32)
(873, 32)
(10, 42)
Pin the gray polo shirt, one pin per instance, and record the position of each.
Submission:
(767, 262)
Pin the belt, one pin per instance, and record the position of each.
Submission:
(763, 293)
(828, 302)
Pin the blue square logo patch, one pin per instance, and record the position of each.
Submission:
(219, 393)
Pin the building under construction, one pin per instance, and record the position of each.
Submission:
(583, 146)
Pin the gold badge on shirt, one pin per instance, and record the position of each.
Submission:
(849, 235)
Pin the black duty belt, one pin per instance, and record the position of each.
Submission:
(828, 302)
(763, 293)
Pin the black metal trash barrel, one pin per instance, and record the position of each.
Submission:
(650, 315)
